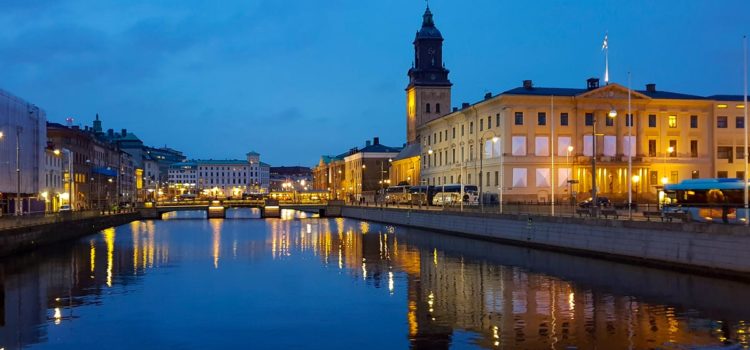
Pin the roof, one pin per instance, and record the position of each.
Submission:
(548, 91)
(428, 29)
(667, 95)
(727, 97)
(379, 148)
(252, 153)
(411, 150)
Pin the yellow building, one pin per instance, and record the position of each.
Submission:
(405, 169)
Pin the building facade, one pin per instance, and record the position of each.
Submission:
(531, 143)
(22, 148)
(219, 178)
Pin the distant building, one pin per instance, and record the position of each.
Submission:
(53, 188)
(219, 178)
(285, 178)
(23, 128)
(358, 173)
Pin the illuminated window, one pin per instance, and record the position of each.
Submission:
(672, 121)
(589, 119)
(722, 122)
(721, 106)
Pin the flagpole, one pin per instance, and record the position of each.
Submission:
(629, 120)
(552, 150)
(744, 99)
(606, 58)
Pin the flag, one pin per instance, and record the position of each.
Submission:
(604, 44)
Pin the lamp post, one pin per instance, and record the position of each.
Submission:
(567, 161)
(595, 204)
(19, 205)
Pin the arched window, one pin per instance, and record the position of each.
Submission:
(437, 108)
(427, 108)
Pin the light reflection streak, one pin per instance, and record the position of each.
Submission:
(390, 282)
(58, 315)
(92, 254)
(216, 241)
(109, 239)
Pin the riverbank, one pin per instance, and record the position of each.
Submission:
(717, 250)
(20, 238)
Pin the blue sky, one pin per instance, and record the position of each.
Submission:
(296, 79)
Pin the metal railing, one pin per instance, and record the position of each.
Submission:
(10, 222)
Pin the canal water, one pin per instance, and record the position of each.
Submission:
(302, 282)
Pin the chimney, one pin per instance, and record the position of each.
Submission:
(487, 96)
(528, 84)
(124, 132)
(367, 143)
(455, 109)
(651, 87)
(465, 105)
(376, 141)
(592, 83)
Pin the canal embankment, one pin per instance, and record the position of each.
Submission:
(718, 250)
(26, 233)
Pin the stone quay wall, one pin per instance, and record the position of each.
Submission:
(715, 249)
(21, 239)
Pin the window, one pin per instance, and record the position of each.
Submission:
(429, 140)
(489, 122)
(693, 121)
(628, 120)
(519, 177)
(609, 121)
(541, 118)
(722, 174)
(427, 108)
(739, 123)
(724, 152)
(454, 132)
(564, 119)
(694, 148)
(542, 177)
(653, 177)
(488, 178)
(673, 147)
(695, 174)
(437, 108)
(519, 118)
(541, 146)
(652, 148)
(480, 178)
(589, 119)
(518, 146)
(721, 122)
(672, 121)
(497, 177)
(652, 120)
(481, 124)
(471, 128)
(563, 142)
(674, 177)
(588, 146)
(497, 120)
(741, 175)
(454, 155)
(740, 153)
(462, 130)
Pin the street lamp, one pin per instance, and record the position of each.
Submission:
(636, 179)
(570, 184)
(595, 204)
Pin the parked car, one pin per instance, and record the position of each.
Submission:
(64, 208)
(602, 202)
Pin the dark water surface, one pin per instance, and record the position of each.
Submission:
(299, 282)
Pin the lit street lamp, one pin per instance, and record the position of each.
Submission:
(595, 204)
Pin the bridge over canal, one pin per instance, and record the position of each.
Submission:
(218, 208)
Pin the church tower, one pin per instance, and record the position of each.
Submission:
(428, 95)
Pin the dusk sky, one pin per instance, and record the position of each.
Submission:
(297, 79)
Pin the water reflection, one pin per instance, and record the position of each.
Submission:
(438, 291)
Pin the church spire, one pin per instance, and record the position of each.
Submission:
(427, 18)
